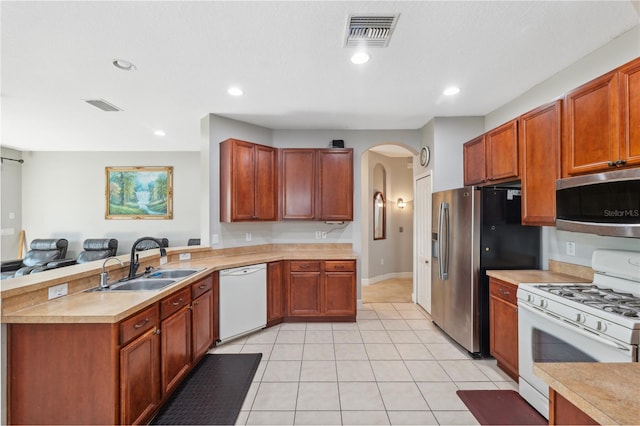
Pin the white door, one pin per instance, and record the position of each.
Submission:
(423, 242)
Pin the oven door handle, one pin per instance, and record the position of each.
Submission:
(577, 329)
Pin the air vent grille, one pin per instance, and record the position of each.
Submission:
(370, 31)
(103, 105)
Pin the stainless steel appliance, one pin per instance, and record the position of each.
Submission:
(475, 229)
(578, 322)
(603, 203)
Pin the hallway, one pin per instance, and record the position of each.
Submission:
(394, 290)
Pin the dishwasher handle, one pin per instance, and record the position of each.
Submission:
(243, 270)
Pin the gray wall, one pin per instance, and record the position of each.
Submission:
(445, 136)
(63, 196)
(11, 204)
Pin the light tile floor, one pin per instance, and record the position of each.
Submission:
(393, 366)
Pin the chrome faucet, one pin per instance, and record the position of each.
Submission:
(133, 262)
(104, 275)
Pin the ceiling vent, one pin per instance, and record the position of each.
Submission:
(102, 104)
(370, 31)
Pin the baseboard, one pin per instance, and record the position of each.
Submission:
(391, 275)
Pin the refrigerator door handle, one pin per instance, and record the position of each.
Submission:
(443, 241)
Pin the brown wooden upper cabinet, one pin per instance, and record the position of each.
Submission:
(335, 184)
(492, 157)
(502, 152)
(316, 184)
(539, 139)
(248, 182)
(473, 153)
(602, 123)
(298, 183)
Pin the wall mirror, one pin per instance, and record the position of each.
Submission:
(379, 217)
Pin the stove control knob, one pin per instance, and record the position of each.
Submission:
(601, 326)
(530, 298)
(543, 303)
(580, 317)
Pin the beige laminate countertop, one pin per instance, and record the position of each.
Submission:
(112, 307)
(523, 276)
(608, 392)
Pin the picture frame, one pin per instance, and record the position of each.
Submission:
(139, 192)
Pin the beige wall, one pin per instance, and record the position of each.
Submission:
(63, 196)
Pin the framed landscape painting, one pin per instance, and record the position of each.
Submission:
(139, 192)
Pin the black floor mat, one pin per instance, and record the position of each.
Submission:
(212, 393)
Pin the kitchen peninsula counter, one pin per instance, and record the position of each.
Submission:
(24, 299)
(606, 392)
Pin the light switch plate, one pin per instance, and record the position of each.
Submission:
(163, 260)
(185, 256)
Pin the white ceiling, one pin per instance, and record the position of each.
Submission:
(287, 56)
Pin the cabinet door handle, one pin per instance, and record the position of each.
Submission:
(141, 324)
(177, 303)
(304, 266)
(196, 303)
(611, 164)
(201, 286)
(157, 331)
(621, 162)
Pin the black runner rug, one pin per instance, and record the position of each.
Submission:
(212, 393)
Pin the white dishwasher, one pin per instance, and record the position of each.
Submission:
(243, 300)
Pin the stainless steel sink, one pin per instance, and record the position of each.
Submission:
(142, 284)
(156, 280)
(171, 273)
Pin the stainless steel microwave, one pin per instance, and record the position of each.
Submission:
(603, 203)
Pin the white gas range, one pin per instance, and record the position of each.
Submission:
(579, 322)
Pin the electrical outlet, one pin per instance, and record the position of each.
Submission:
(215, 239)
(382, 261)
(58, 290)
(247, 236)
(324, 235)
(185, 256)
(571, 248)
(401, 229)
(318, 235)
(163, 260)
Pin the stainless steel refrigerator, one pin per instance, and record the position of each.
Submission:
(475, 229)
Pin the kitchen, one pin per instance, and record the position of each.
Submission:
(80, 164)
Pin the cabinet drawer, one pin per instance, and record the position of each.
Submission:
(503, 290)
(201, 287)
(139, 323)
(304, 266)
(339, 266)
(174, 302)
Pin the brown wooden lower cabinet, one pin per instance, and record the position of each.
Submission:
(176, 348)
(139, 378)
(319, 290)
(563, 412)
(108, 373)
(275, 293)
(503, 325)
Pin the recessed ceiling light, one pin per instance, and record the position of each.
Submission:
(159, 133)
(450, 91)
(124, 65)
(360, 58)
(235, 91)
